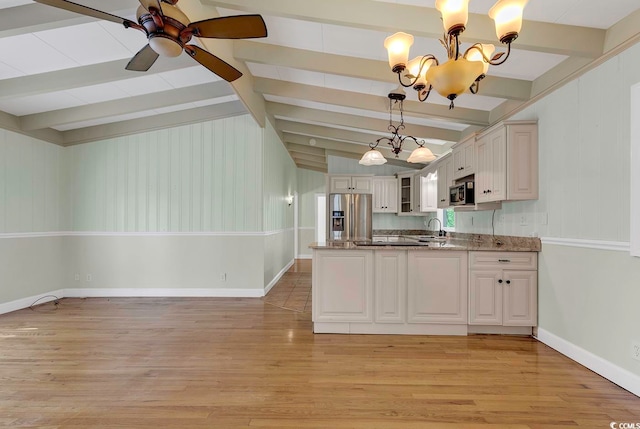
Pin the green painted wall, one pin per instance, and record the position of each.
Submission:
(195, 178)
(31, 184)
(587, 297)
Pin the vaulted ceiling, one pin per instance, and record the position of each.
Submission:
(321, 77)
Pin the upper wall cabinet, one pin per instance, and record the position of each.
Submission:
(350, 184)
(507, 163)
(464, 158)
(385, 194)
(445, 180)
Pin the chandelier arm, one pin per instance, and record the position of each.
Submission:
(475, 86)
(503, 59)
(500, 57)
(426, 92)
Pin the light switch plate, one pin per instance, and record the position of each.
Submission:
(635, 350)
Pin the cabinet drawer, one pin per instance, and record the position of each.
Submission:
(504, 260)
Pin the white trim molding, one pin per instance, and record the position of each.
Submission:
(27, 302)
(620, 376)
(141, 234)
(162, 293)
(277, 277)
(634, 248)
(618, 246)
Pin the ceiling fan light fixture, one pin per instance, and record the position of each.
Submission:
(372, 157)
(164, 45)
(421, 155)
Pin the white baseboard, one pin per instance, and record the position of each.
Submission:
(278, 276)
(620, 376)
(22, 303)
(161, 292)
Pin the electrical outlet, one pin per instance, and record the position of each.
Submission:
(501, 218)
(77, 277)
(544, 218)
(223, 277)
(523, 220)
(635, 350)
(89, 277)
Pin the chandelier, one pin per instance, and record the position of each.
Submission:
(374, 157)
(461, 71)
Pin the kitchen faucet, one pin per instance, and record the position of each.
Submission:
(440, 229)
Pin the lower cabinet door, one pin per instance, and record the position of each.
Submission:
(520, 305)
(390, 286)
(346, 292)
(437, 287)
(485, 297)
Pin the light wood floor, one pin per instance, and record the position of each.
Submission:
(293, 290)
(240, 363)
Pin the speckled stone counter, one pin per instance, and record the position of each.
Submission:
(454, 241)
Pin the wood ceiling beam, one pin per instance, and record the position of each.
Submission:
(341, 137)
(77, 77)
(308, 167)
(127, 105)
(152, 123)
(426, 22)
(376, 103)
(317, 165)
(30, 18)
(12, 123)
(223, 48)
(305, 149)
(361, 68)
(302, 114)
(306, 157)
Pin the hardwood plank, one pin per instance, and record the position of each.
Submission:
(243, 363)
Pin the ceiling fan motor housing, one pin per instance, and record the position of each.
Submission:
(164, 31)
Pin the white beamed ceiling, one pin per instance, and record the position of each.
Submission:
(322, 72)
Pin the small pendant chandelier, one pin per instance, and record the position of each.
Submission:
(419, 155)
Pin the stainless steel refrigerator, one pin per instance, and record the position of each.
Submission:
(350, 217)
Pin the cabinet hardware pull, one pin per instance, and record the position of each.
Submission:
(500, 281)
(504, 260)
(508, 282)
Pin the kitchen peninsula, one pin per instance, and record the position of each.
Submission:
(417, 284)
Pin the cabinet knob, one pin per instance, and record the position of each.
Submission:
(484, 192)
(508, 282)
(488, 191)
(500, 281)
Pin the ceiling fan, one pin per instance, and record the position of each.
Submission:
(169, 31)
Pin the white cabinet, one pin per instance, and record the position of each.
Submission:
(385, 194)
(503, 288)
(463, 155)
(406, 194)
(445, 180)
(507, 163)
(342, 286)
(390, 286)
(350, 184)
(429, 191)
(437, 287)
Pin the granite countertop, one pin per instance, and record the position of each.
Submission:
(454, 241)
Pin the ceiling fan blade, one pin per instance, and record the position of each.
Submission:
(84, 10)
(224, 70)
(151, 3)
(143, 60)
(230, 27)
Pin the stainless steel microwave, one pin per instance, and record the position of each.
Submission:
(461, 194)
